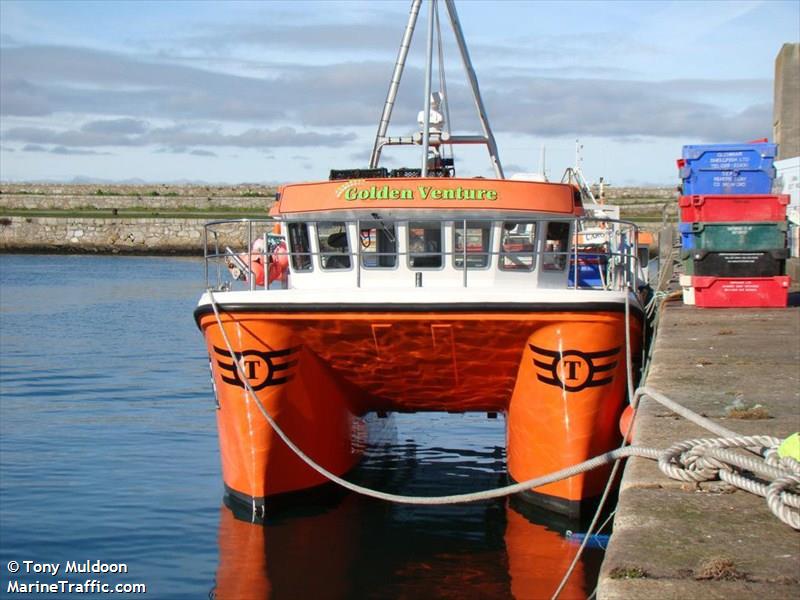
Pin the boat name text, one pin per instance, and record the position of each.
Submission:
(422, 192)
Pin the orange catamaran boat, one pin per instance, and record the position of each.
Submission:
(417, 290)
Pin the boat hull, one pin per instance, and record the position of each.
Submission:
(558, 373)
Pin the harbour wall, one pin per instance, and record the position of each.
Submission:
(148, 219)
(674, 540)
(103, 235)
(30, 196)
(75, 202)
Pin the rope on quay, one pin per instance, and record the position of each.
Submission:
(777, 479)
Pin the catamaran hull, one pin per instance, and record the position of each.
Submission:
(559, 373)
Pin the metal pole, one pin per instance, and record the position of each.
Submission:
(358, 252)
(464, 249)
(267, 256)
(394, 84)
(426, 118)
(205, 251)
(250, 275)
(476, 93)
(574, 237)
(216, 257)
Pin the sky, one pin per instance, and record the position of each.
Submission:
(280, 91)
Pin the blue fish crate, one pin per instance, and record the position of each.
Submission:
(591, 271)
(728, 169)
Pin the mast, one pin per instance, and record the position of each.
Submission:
(394, 84)
(476, 92)
(426, 119)
(428, 138)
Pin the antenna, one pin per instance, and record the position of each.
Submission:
(542, 163)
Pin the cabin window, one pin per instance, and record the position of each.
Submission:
(478, 235)
(300, 246)
(518, 246)
(556, 246)
(424, 244)
(378, 245)
(334, 249)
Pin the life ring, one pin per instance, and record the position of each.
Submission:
(256, 258)
(278, 263)
(277, 267)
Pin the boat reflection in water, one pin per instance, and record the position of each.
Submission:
(333, 544)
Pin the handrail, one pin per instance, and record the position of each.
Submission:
(619, 257)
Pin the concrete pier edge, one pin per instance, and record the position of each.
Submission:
(670, 536)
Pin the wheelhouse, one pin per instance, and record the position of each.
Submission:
(365, 235)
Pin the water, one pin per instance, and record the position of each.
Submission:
(108, 452)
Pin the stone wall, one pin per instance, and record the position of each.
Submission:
(27, 196)
(153, 234)
(74, 202)
(786, 106)
(80, 234)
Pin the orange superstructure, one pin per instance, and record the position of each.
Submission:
(432, 193)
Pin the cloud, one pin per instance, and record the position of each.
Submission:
(76, 151)
(36, 81)
(589, 107)
(185, 150)
(180, 136)
(288, 34)
(116, 126)
(63, 150)
(44, 80)
(20, 98)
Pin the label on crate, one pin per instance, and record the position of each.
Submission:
(739, 257)
(728, 179)
(739, 286)
(739, 229)
(729, 161)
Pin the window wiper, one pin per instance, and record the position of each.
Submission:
(384, 228)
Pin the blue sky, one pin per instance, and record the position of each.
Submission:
(245, 92)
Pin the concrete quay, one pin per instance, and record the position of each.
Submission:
(674, 540)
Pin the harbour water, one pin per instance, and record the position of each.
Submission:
(108, 452)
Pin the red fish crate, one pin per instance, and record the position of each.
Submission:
(711, 209)
(741, 292)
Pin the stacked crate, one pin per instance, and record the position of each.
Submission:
(733, 230)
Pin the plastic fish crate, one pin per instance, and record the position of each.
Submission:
(733, 237)
(588, 276)
(755, 207)
(740, 292)
(728, 168)
(591, 270)
(735, 264)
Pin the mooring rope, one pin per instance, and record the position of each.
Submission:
(686, 461)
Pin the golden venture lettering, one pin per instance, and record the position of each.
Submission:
(422, 192)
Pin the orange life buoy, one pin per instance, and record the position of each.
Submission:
(257, 268)
(625, 422)
(278, 263)
(256, 258)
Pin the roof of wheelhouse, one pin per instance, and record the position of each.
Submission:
(432, 193)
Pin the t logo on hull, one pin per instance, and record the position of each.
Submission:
(260, 368)
(573, 370)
